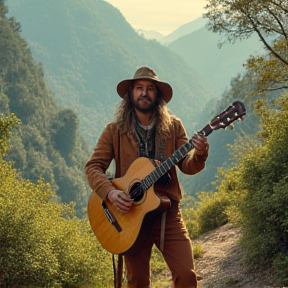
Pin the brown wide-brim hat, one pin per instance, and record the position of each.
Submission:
(147, 74)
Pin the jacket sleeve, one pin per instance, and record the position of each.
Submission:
(191, 163)
(99, 162)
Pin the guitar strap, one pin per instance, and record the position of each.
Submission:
(117, 271)
(163, 219)
(162, 235)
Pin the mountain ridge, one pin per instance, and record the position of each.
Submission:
(184, 30)
(217, 66)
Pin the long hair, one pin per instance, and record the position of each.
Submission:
(125, 112)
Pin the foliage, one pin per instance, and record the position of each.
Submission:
(42, 242)
(198, 251)
(259, 191)
(209, 214)
(48, 140)
(280, 264)
(267, 72)
(6, 125)
(190, 219)
(64, 132)
(188, 202)
(238, 19)
(3, 8)
(211, 211)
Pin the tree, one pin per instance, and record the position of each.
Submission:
(238, 19)
(6, 124)
(64, 132)
(267, 72)
(3, 9)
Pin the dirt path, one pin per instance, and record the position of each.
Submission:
(221, 264)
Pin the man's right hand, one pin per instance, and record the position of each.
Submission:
(120, 200)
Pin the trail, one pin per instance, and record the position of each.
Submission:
(222, 264)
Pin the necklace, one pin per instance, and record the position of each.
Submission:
(145, 137)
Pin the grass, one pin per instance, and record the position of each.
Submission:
(198, 251)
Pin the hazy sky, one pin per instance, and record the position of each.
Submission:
(163, 16)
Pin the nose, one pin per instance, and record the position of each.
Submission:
(144, 91)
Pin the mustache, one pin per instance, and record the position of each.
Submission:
(145, 97)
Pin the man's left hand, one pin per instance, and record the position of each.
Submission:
(200, 144)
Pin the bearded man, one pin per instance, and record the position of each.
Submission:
(144, 127)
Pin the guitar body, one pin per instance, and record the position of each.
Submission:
(133, 226)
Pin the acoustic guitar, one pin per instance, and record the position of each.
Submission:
(125, 233)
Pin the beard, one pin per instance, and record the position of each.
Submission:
(144, 108)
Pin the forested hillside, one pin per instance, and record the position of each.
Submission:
(87, 47)
(47, 143)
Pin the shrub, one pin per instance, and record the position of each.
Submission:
(198, 251)
(280, 264)
(262, 179)
(42, 243)
(211, 211)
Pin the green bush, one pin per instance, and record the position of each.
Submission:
(280, 264)
(210, 213)
(259, 186)
(42, 243)
(191, 222)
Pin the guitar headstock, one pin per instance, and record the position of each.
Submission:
(236, 111)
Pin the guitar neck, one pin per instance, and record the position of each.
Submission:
(162, 169)
(207, 130)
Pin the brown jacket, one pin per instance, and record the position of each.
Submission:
(122, 146)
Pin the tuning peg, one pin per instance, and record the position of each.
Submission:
(230, 127)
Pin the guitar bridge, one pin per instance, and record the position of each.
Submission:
(110, 217)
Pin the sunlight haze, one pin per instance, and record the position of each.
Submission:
(163, 16)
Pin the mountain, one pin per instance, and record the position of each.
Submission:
(183, 30)
(216, 66)
(150, 34)
(87, 47)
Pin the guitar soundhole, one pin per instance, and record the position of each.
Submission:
(136, 192)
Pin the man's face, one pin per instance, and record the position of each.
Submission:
(144, 95)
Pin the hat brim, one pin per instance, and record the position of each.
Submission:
(165, 88)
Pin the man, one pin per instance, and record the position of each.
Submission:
(144, 127)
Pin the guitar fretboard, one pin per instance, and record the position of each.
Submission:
(150, 179)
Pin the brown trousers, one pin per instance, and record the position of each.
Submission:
(177, 253)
